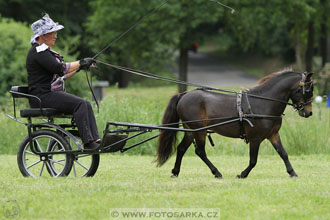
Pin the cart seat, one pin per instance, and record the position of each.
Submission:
(23, 92)
(46, 112)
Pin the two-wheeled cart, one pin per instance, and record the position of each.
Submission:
(57, 148)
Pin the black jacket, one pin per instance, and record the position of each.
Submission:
(41, 67)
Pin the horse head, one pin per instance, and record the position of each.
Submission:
(302, 95)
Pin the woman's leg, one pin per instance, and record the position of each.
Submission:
(81, 110)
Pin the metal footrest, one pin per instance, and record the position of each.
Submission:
(116, 139)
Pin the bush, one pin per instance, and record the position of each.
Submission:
(14, 38)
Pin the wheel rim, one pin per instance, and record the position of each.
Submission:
(32, 163)
(82, 163)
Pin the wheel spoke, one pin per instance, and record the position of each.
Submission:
(81, 165)
(29, 152)
(39, 147)
(49, 142)
(33, 164)
(57, 161)
(50, 169)
(61, 160)
(74, 170)
(42, 168)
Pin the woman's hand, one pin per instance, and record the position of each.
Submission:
(86, 63)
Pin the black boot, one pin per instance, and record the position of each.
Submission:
(91, 146)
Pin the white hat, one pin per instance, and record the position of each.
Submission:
(44, 25)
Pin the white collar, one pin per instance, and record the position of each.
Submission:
(41, 48)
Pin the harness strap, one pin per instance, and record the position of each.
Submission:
(239, 106)
(248, 102)
(270, 117)
(241, 116)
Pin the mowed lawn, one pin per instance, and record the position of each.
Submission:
(124, 181)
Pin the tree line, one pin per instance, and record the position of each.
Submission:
(296, 30)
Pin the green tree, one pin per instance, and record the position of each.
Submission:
(275, 26)
(72, 14)
(175, 27)
(189, 20)
(139, 49)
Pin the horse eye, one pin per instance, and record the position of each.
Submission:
(308, 94)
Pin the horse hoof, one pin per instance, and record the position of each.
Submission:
(293, 174)
(174, 176)
(240, 176)
(218, 177)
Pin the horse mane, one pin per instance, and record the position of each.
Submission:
(272, 75)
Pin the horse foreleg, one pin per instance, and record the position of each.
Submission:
(182, 148)
(277, 144)
(200, 151)
(254, 149)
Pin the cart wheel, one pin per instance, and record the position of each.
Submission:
(31, 164)
(84, 165)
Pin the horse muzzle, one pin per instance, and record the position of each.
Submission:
(306, 112)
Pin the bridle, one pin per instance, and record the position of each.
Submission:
(306, 92)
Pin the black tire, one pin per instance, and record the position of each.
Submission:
(43, 139)
(84, 165)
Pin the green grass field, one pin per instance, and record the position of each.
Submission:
(134, 182)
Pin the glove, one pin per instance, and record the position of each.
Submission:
(86, 63)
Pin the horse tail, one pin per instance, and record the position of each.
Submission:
(167, 138)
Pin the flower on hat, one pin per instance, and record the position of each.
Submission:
(44, 25)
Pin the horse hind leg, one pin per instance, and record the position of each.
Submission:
(254, 149)
(200, 151)
(182, 148)
(277, 144)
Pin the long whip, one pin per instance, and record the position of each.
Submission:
(130, 28)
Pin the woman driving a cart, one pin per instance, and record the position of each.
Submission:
(44, 66)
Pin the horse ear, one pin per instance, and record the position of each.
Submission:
(309, 76)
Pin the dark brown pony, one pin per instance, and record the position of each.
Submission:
(203, 105)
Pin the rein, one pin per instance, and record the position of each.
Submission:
(156, 77)
(297, 107)
(92, 91)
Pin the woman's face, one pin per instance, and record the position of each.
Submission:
(50, 38)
